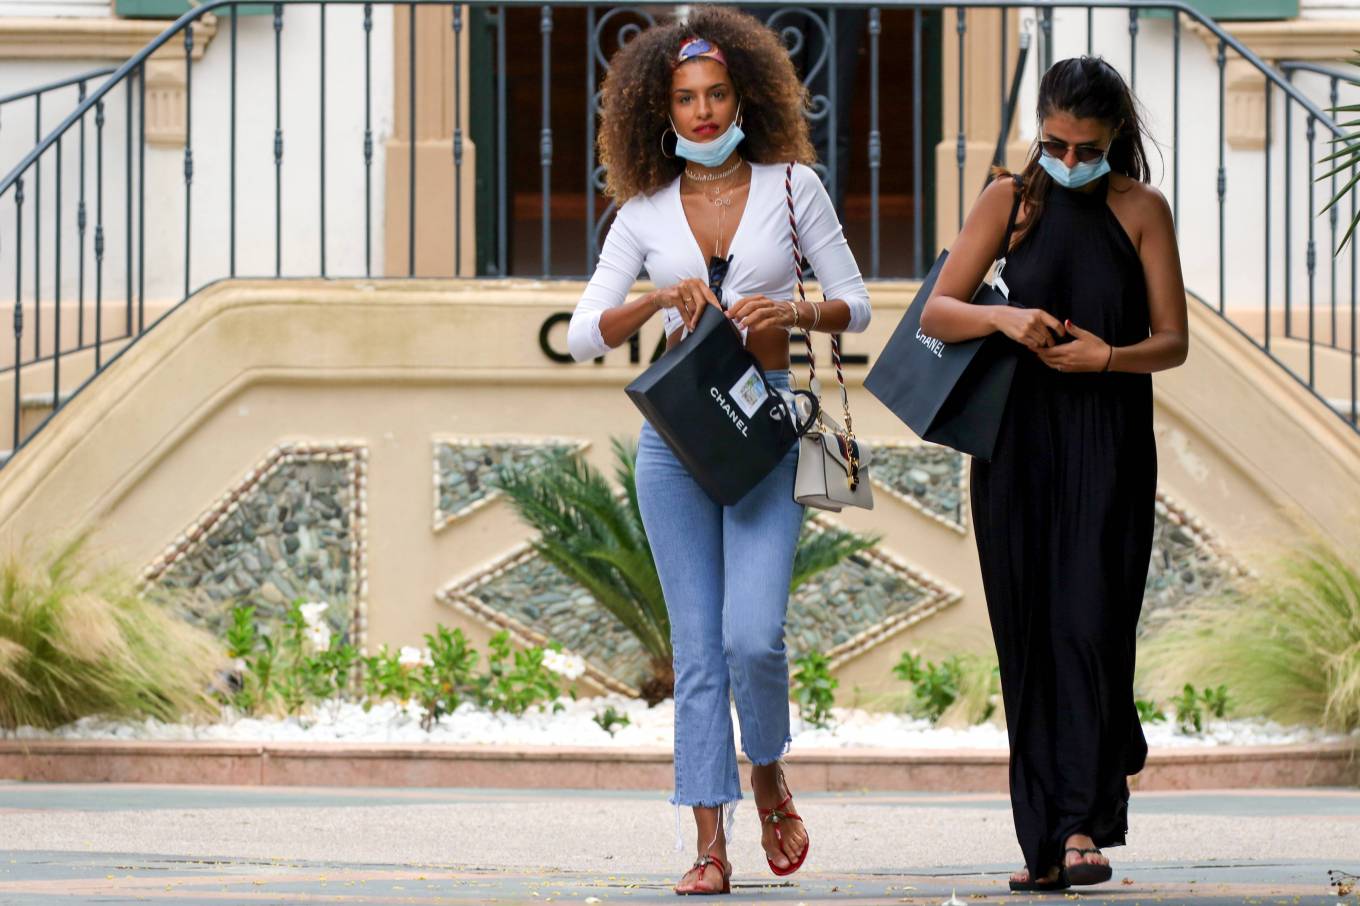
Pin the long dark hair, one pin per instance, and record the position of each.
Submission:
(1085, 88)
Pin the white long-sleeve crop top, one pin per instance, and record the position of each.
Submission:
(651, 232)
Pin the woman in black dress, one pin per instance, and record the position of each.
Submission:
(1063, 514)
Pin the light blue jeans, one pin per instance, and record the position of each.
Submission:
(725, 572)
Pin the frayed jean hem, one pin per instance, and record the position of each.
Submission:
(716, 803)
(762, 762)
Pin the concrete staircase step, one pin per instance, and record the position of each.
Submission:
(35, 409)
(1343, 408)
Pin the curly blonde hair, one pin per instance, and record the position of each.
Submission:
(635, 99)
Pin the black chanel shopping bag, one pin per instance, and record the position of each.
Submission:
(713, 406)
(948, 393)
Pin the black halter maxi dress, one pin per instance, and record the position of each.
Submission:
(1063, 516)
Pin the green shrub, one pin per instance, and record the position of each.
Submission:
(961, 690)
(306, 664)
(76, 642)
(1148, 712)
(1192, 705)
(610, 720)
(384, 678)
(514, 680)
(814, 688)
(1287, 645)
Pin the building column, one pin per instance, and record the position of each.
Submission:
(982, 104)
(434, 153)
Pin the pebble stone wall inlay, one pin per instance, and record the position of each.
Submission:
(929, 477)
(1187, 563)
(293, 527)
(841, 612)
(463, 467)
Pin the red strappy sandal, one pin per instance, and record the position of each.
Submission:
(702, 864)
(774, 817)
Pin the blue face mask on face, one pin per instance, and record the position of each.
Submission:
(710, 153)
(1078, 176)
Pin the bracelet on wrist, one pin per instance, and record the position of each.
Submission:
(1109, 360)
(816, 315)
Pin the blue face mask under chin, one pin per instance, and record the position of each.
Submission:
(711, 153)
(1078, 176)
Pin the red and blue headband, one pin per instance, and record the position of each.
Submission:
(693, 48)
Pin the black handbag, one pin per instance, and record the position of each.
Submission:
(949, 393)
(710, 401)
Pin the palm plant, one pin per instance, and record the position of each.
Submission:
(596, 538)
(1345, 161)
(77, 643)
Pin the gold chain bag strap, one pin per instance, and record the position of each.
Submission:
(833, 467)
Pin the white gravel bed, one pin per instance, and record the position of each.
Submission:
(573, 725)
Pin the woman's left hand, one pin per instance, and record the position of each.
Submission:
(755, 312)
(1087, 352)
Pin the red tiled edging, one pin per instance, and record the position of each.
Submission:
(342, 764)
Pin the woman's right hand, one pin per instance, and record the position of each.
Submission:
(1033, 328)
(687, 297)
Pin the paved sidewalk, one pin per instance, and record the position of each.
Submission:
(201, 845)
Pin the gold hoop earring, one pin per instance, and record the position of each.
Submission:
(663, 142)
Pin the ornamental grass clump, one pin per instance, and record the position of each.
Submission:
(78, 642)
(1287, 645)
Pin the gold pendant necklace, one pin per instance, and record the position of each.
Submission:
(718, 196)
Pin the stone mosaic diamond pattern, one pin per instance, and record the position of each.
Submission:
(927, 476)
(292, 529)
(1187, 564)
(535, 595)
(840, 612)
(463, 470)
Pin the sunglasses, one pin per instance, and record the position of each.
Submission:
(1085, 153)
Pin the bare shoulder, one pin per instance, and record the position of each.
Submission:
(1140, 200)
(995, 202)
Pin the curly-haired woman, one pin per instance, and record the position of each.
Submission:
(699, 121)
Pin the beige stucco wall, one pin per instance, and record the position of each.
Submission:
(391, 366)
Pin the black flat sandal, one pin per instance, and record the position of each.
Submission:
(1041, 886)
(1084, 873)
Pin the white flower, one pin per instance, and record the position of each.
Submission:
(239, 665)
(311, 613)
(319, 637)
(569, 666)
(414, 657)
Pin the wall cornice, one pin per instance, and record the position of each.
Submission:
(88, 38)
(1317, 40)
(1292, 39)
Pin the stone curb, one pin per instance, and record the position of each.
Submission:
(828, 770)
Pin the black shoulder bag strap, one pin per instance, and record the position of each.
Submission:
(1010, 224)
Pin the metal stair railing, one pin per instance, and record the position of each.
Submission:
(265, 237)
